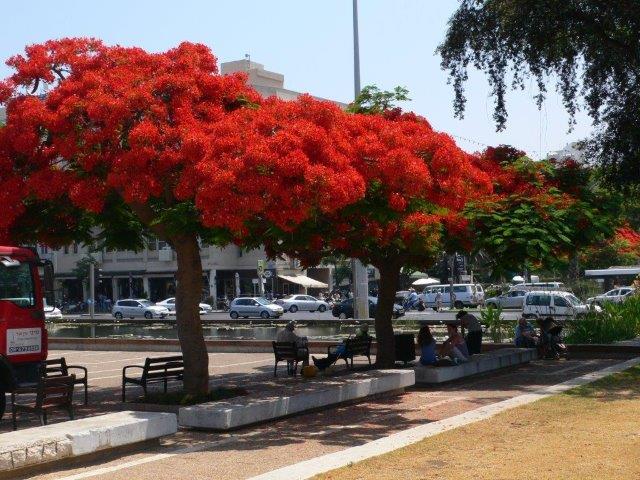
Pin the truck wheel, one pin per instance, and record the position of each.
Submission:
(3, 403)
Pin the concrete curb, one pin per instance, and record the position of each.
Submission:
(38, 445)
(325, 463)
(246, 411)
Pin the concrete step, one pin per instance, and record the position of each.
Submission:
(320, 392)
(37, 445)
(504, 357)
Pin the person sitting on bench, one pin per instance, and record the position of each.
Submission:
(323, 363)
(454, 346)
(288, 335)
(525, 335)
(427, 345)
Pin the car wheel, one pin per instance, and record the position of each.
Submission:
(322, 309)
(148, 315)
(265, 314)
(342, 316)
(233, 315)
(458, 304)
(293, 309)
(491, 305)
(118, 315)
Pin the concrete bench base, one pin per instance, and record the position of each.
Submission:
(38, 445)
(504, 357)
(247, 410)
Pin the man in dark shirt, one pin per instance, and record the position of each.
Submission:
(473, 327)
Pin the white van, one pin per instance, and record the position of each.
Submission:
(556, 304)
(465, 295)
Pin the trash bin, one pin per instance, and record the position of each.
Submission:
(405, 347)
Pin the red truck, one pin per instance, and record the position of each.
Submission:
(23, 336)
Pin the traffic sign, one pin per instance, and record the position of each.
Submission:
(267, 274)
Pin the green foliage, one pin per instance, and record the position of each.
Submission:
(591, 48)
(81, 270)
(372, 100)
(498, 329)
(617, 321)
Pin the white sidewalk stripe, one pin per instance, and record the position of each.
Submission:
(331, 461)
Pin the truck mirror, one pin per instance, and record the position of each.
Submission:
(48, 283)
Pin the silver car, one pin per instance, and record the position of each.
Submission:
(132, 308)
(293, 303)
(617, 295)
(512, 299)
(246, 307)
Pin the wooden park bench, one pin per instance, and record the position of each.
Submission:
(354, 347)
(58, 367)
(291, 353)
(54, 393)
(154, 370)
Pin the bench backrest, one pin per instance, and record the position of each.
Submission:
(55, 391)
(358, 345)
(160, 367)
(56, 367)
(285, 350)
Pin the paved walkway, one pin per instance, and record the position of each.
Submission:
(255, 450)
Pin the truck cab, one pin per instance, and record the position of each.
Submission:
(23, 336)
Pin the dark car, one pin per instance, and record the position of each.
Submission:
(344, 309)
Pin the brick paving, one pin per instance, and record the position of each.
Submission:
(254, 450)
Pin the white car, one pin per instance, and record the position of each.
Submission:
(556, 304)
(170, 304)
(293, 303)
(617, 295)
(465, 294)
(132, 308)
(246, 307)
(510, 299)
(51, 312)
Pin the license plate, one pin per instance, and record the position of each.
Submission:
(23, 341)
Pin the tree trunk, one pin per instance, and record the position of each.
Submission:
(188, 293)
(389, 279)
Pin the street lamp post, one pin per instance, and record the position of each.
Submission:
(360, 275)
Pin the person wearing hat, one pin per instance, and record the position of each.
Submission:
(288, 334)
(472, 325)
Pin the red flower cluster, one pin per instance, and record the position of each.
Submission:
(167, 128)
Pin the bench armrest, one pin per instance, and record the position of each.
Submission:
(124, 370)
(78, 367)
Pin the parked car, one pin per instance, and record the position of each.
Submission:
(510, 299)
(344, 309)
(466, 295)
(246, 307)
(617, 295)
(557, 304)
(293, 303)
(132, 308)
(51, 312)
(170, 304)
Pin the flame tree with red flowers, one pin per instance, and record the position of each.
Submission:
(540, 214)
(410, 185)
(121, 143)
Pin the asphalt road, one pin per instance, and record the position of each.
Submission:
(326, 316)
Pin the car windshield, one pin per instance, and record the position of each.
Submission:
(263, 301)
(16, 285)
(145, 303)
(573, 300)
